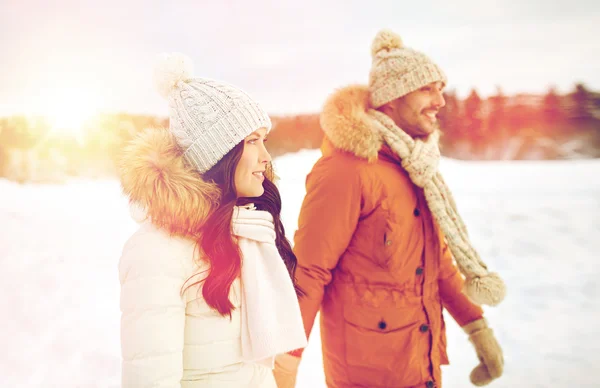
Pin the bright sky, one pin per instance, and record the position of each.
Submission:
(98, 55)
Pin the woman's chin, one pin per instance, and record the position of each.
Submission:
(252, 193)
(259, 192)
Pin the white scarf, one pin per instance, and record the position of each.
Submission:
(271, 319)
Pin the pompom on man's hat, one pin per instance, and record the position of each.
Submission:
(397, 70)
(207, 118)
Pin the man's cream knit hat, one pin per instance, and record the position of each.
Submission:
(397, 70)
(207, 118)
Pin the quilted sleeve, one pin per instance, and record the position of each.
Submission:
(152, 315)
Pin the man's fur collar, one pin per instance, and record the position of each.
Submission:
(347, 124)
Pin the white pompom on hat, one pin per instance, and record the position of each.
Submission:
(171, 69)
(207, 118)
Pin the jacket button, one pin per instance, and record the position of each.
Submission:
(419, 271)
(417, 212)
(429, 384)
(424, 328)
(388, 242)
(382, 325)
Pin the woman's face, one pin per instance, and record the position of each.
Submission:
(249, 173)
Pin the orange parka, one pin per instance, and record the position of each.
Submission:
(372, 260)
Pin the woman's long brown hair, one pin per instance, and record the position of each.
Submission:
(217, 245)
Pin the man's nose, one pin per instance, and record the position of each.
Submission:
(440, 102)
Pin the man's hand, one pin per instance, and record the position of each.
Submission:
(286, 369)
(488, 351)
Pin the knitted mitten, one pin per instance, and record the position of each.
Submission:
(488, 351)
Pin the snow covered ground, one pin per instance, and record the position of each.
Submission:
(536, 223)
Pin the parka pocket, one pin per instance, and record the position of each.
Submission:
(383, 346)
(382, 238)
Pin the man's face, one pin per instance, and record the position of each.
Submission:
(416, 112)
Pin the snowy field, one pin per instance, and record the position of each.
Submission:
(536, 223)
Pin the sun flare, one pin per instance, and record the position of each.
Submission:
(69, 110)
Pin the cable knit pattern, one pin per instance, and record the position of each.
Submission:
(420, 159)
(207, 118)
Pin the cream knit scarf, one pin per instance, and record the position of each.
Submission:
(271, 319)
(420, 159)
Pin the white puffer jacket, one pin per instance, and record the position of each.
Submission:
(169, 339)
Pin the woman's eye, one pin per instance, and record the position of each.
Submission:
(252, 141)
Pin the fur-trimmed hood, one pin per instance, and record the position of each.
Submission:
(163, 187)
(155, 176)
(347, 124)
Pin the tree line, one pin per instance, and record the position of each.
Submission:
(523, 126)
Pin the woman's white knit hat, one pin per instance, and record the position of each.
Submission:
(207, 118)
(397, 70)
